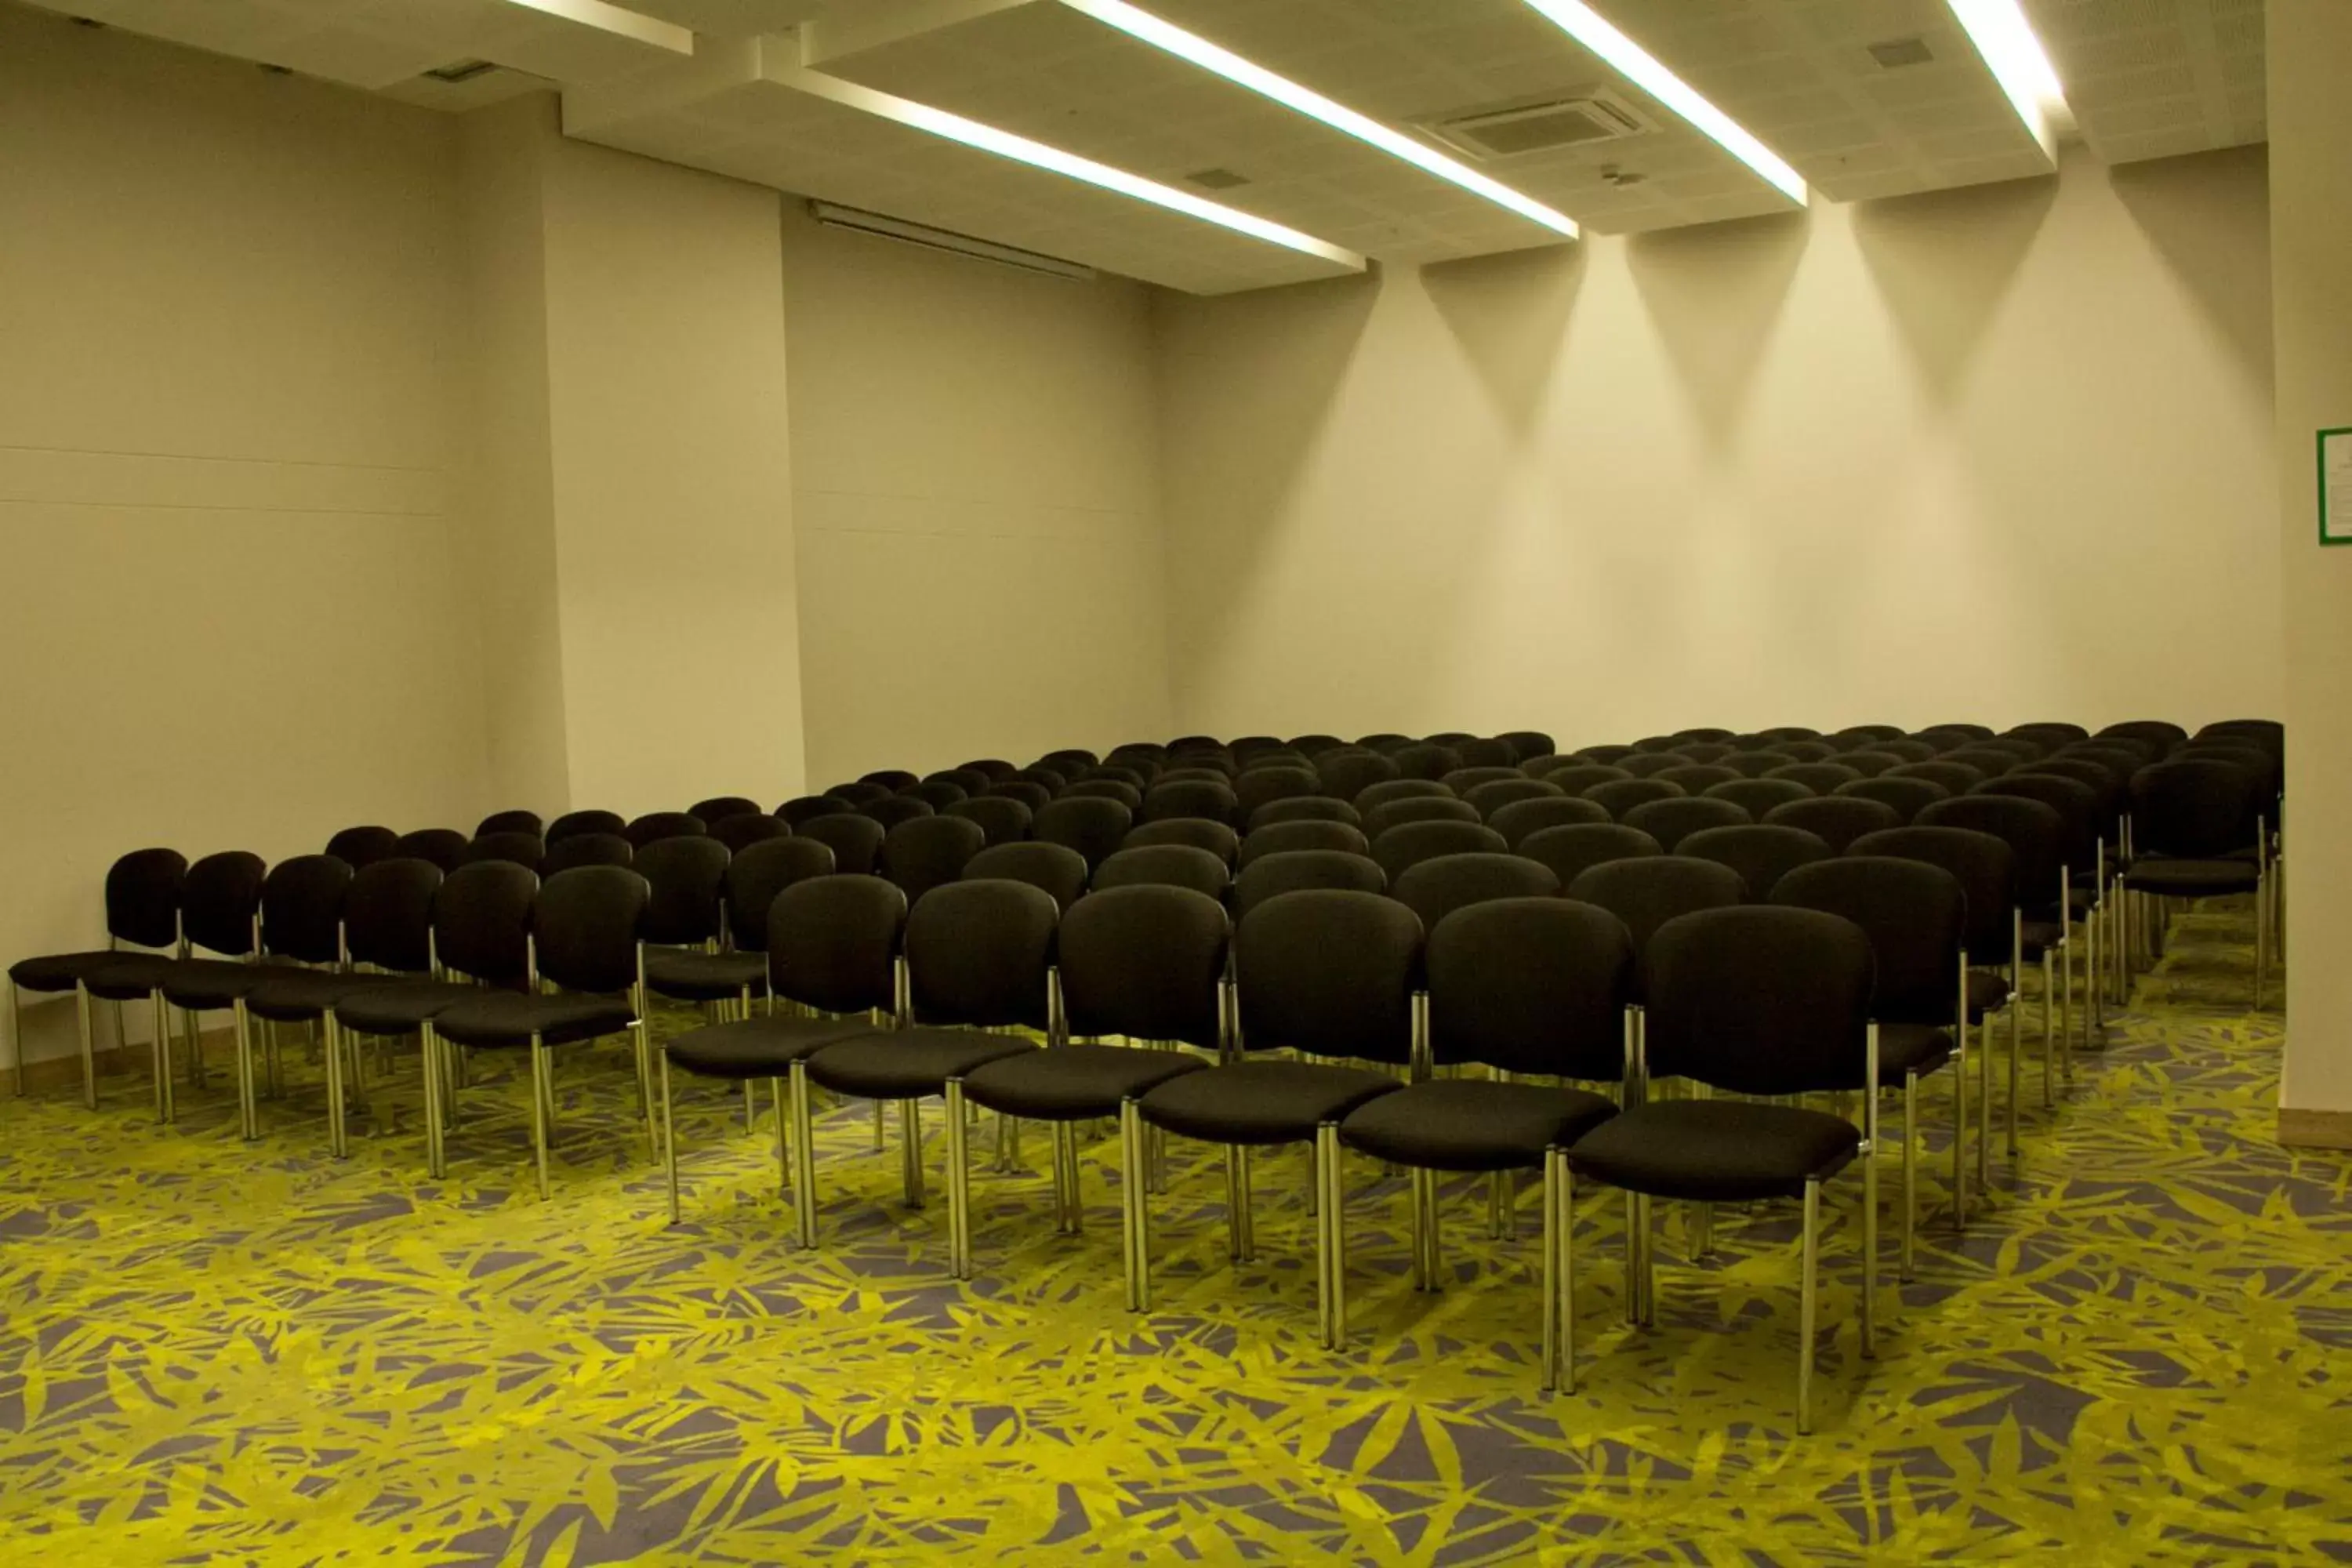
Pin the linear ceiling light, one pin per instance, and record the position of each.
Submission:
(2002, 36)
(1185, 46)
(1637, 64)
(1037, 155)
(609, 18)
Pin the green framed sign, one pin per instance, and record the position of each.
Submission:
(2336, 486)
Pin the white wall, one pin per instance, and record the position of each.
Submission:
(229, 319)
(1998, 454)
(974, 483)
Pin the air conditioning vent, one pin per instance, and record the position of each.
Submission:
(1543, 126)
(1896, 53)
(461, 70)
(1217, 179)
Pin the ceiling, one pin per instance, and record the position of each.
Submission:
(779, 93)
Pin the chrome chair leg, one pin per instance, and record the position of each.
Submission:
(1331, 1234)
(88, 1044)
(1910, 1160)
(431, 1050)
(165, 1111)
(2049, 1032)
(1808, 1306)
(339, 1142)
(1500, 1218)
(249, 1111)
(959, 1157)
(1237, 1204)
(670, 1133)
(911, 1153)
(804, 1157)
(1559, 1207)
(1135, 1207)
(542, 1100)
(783, 1145)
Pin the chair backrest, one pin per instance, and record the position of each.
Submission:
(971, 781)
(1147, 962)
(1621, 796)
(2035, 833)
(994, 768)
(1435, 889)
(1904, 747)
(585, 849)
(977, 953)
(1425, 760)
(1417, 808)
(720, 807)
(1521, 818)
(1697, 778)
(585, 923)
(1907, 796)
(1055, 870)
(2198, 807)
(808, 807)
(1119, 790)
(688, 878)
(1916, 916)
(1373, 796)
(1296, 870)
(656, 826)
(1496, 793)
(2052, 734)
(1532, 985)
(1384, 741)
(1193, 797)
(745, 830)
(362, 847)
(1165, 864)
(1646, 891)
(1463, 780)
(759, 874)
(1346, 775)
(388, 914)
(1820, 778)
(1262, 786)
(2085, 811)
(1279, 838)
(1837, 820)
(142, 896)
(1611, 752)
(1650, 764)
(1863, 737)
(1400, 848)
(1314, 745)
(1575, 776)
(1305, 808)
(1675, 818)
(1656, 745)
(1985, 869)
(219, 901)
(1572, 848)
(1027, 793)
(1957, 778)
(1762, 852)
(1989, 758)
(890, 779)
(1329, 973)
(1754, 764)
(1002, 820)
(860, 791)
(833, 942)
(1866, 765)
(1487, 751)
(1760, 999)
(577, 822)
(894, 809)
(1706, 751)
(445, 846)
(1760, 796)
(481, 919)
(1091, 826)
(302, 908)
(1783, 732)
(2158, 733)
(1804, 752)
(855, 841)
(1071, 759)
(510, 821)
(1192, 832)
(522, 848)
(928, 852)
(1054, 780)
(1525, 743)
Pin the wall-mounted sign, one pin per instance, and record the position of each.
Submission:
(2335, 487)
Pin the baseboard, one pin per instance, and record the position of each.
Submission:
(62, 1075)
(2315, 1129)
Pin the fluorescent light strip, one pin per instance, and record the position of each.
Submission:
(2002, 36)
(1185, 46)
(615, 19)
(1037, 155)
(1637, 64)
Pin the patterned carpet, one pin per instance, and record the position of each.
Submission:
(219, 1353)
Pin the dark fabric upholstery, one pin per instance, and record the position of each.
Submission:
(1573, 848)
(1525, 743)
(1075, 1081)
(1463, 780)
(1029, 793)
(1215, 802)
(807, 808)
(359, 848)
(855, 841)
(128, 977)
(1904, 1048)
(690, 975)
(1299, 869)
(1261, 1102)
(1434, 889)
(907, 1064)
(1471, 1124)
(891, 779)
(1145, 961)
(1417, 808)
(482, 918)
(720, 807)
(291, 995)
(928, 852)
(763, 1047)
(302, 908)
(1425, 760)
(1758, 999)
(1126, 795)
(1646, 891)
(1281, 837)
(1986, 869)
(1188, 832)
(511, 1017)
(1758, 795)
(397, 1008)
(1673, 820)
(1754, 764)
(1697, 778)
(445, 846)
(1837, 820)
(59, 971)
(977, 954)
(1496, 793)
(1055, 870)
(1532, 985)
(586, 924)
(219, 900)
(834, 942)
(1761, 853)
(1520, 820)
(519, 848)
(586, 849)
(1619, 796)
(860, 792)
(1305, 808)
(1372, 796)
(1002, 819)
(1262, 786)
(687, 877)
(1095, 828)
(892, 810)
(2035, 833)
(656, 826)
(203, 985)
(761, 872)
(1957, 778)
(2199, 809)
(1575, 774)
(1400, 848)
(388, 914)
(1908, 796)
(1914, 914)
(1346, 775)
(1329, 972)
(572, 822)
(745, 828)
(1165, 864)
(1715, 1150)
(2186, 879)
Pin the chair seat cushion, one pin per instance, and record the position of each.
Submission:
(1987, 993)
(1260, 1102)
(2038, 937)
(760, 1047)
(692, 976)
(907, 1064)
(397, 1008)
(61, 970)
(512, 1017)
(129, 977)
(1469, 1124)
(1072, 1082)
(2192, 879)
(291, 995)
(1911, 1047)
(206, 984)
(1715, 1150)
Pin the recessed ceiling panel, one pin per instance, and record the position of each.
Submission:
(2153, 79)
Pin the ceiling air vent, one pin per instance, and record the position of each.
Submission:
(1217, 179)
(462, 70)
(1543, 126)
(1895, 53)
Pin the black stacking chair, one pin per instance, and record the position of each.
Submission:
(1906, 796)
(445, 846)
(1033, 796)
(1052, 780)
(1095, 828)
(1650, 764)
(862, 792)
(1675, 818)
(1658, 745)
(220, 913)
(360, 847)
(979, 957)
(832, 944)
(1462, 780)
(1496, 793)
(1179, 772)
(1574, 777)
(1837, 820)
(1417, 808)
(2191, 821)
(1705, 753)
(1055, 870)
(973, 781)
(2162, 735)
(1956, 778)
(1991, 758)
(1245, 747)
(1003, 821)
(1646, 891)
(927, 852)
(1754, 764)
(1758, 795)
(521, 848)
(585, 849)
(1761, 853)
(744, 829)
(1861, 737)
(1425, 760)
(656, 826)
(1299, 870)
(577, 822)
(1782, 733)
(1400, 848)
(1126, 795)
(1819, 778)
(1535, 987)
(143, 911)
(1917, 917)
(1610, 753)
(892, 810)
(1904, 747)
(1304, 808)
(1145, 963)
(1346, 775)
(891, 779)
(758, 876)
(684, 916)
(1384, 741)
(1487, 751)
(1435, 889)
(1621, 796)
(1320, 973)
(1865, 765)
(1704, 734)
(1312, 746)
(1213, 802)
(1192, 832)
(1521, 818)
(1804, 752)
(1261, 786)
(1525, 743)
(1371, 797)
(1760, 1002)
(1572, 848)
(510, 821)
(2049, 735)
(1165, 864)
(720, 807)
(1697, 778)
(1283, 837)
(1071, 759)
(807, 808)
